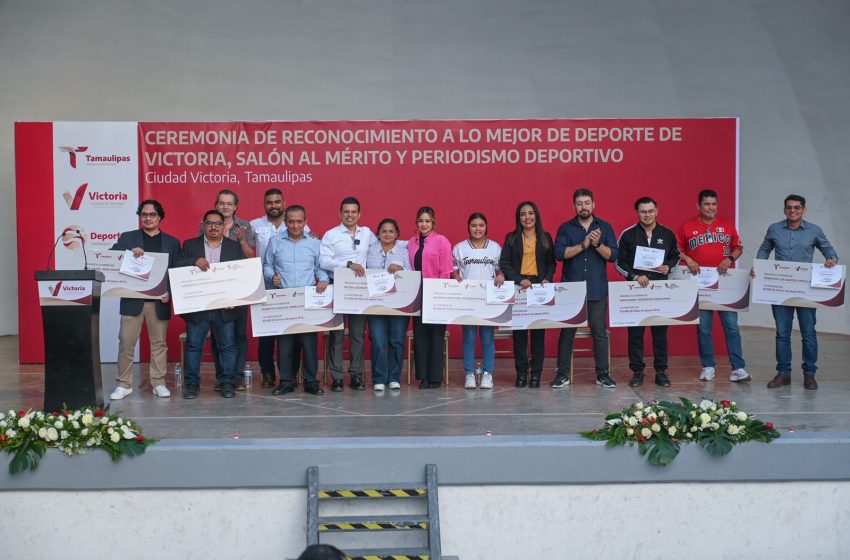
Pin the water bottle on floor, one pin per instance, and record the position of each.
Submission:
(249, 376)
(479, 371)
(178, 375)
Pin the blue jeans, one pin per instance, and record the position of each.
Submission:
(783, 315)
(729, 322)
(488, 348)
(196, 334)
(387, 334)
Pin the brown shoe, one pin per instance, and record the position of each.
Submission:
(810, 383)
(268, 381)
(779, 381)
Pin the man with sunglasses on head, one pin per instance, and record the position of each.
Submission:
(202, 251)
(155, 313)
(347, 245)
(794, 239)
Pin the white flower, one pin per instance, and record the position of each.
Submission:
(689, 435)
(639, 406)
(632, 421)
(714, 425)
(87, 419)
(614, 421)
(630, 431)
(3, 424)
(57, 424)
(706, 404)
(704, 418)
(52, 434)
(694, 428)
(713, 407)
(115, 437)
(42, 432)
(651, 418)
(63, 434)
(24, 422)
(89, 442)
(638, 414)
(11, 433)
(112, 424)
(732, 429)
(671, 431)
(110, 431)
(741, 416)
(655, 428)
(85, 431)
(76, 425)
(104, 420)
(127, 432)
(646, 432)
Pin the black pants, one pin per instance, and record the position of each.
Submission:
(659, 348)
(286, 344)
(521, 359)
(596, 313)
(428, 357)
(266, 354)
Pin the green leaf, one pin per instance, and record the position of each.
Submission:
(716, 443)
(26, 457)
(663, 452)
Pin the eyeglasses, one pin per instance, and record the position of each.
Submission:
(213, 224)
(149, 214)
(793, 207)
(647, 212)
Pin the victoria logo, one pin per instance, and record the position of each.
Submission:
(74, 201)
(72, 153)
(54, 290)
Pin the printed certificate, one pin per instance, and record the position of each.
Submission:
(732, 292)
(315, 300)
(647, 258)
(123, 285)
(567, 310)
(506, 293)
(379, 282)
(225, 284)
(823, 277)
(284, 313)
(450, 302)
(790, 283)
(352, 294)
(137, 267)
(661, 302)
(540, 294)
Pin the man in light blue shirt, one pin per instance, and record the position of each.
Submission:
(292, 261)
(794, 239)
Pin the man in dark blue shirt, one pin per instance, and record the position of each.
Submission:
(586, 244)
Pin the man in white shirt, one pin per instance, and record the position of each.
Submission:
(346, 246)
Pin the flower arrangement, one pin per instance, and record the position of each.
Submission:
(659, 428)
(26, 435)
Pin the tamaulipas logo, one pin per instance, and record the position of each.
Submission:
(72, 153)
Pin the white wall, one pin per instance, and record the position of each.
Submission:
(779, 65)
(796, 520)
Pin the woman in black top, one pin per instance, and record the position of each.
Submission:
(527, 258)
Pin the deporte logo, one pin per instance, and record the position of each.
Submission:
(74, 202)
(73, 237)
(72, 153)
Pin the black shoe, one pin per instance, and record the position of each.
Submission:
(423, 383)
(535, 382)
(217, 387)
(283, 389)
(637, 379)
(521, 380)
(662, 379)
(190, 391)
(356, 382)
(227, 391)
(560, 380)
(268, 381)
(337, 386)
(433, 385)
(603, 379)
(314, 390)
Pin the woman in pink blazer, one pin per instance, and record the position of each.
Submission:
(431, 254)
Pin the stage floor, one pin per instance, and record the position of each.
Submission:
(455, 411)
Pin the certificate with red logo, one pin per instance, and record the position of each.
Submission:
(225, 284)
(153, 283)
(661, 302)
(730, 292)
(449, 302)
(283, 313)
(566, 308)
(790, 283)
(351, 293)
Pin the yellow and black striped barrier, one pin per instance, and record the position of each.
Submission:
(382, 493)
(401, 526)
(390, 557)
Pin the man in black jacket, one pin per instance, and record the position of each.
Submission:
(210, 248)
(155, 312)
(647, 233)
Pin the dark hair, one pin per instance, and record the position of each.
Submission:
(477, 216)
(213, 211)
(322, 552)
(582, 192)
(349, 200)
(797, 197)
(645, 200)
(294, 208)
(706, 193)
(427, 210)
(273, 190)
(388, 221)
(156, 206)
(231, 193)
(538, 225)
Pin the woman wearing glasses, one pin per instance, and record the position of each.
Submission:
(387, 332)
(431, 254)
(527, 258)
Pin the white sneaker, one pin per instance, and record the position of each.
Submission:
(470, 381)
(395, 385)
(379, 387)
(707, 374)
(740, 375)
(161, 391)
(119, 393)
(486, 381)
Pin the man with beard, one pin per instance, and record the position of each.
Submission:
(586, 244)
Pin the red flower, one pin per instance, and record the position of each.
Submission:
(140, 437)
(21, 414)
(65, 413)
(725, 403)
(98, 413)
(643, 422)
(55, 414)
(768, 425)
(640, 438)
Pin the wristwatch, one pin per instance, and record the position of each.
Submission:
(348, 264)
(731, 258)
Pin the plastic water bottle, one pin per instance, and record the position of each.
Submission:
(178, 375)
(249, 376)
(479, 371)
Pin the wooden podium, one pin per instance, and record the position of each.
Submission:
(70, 312)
